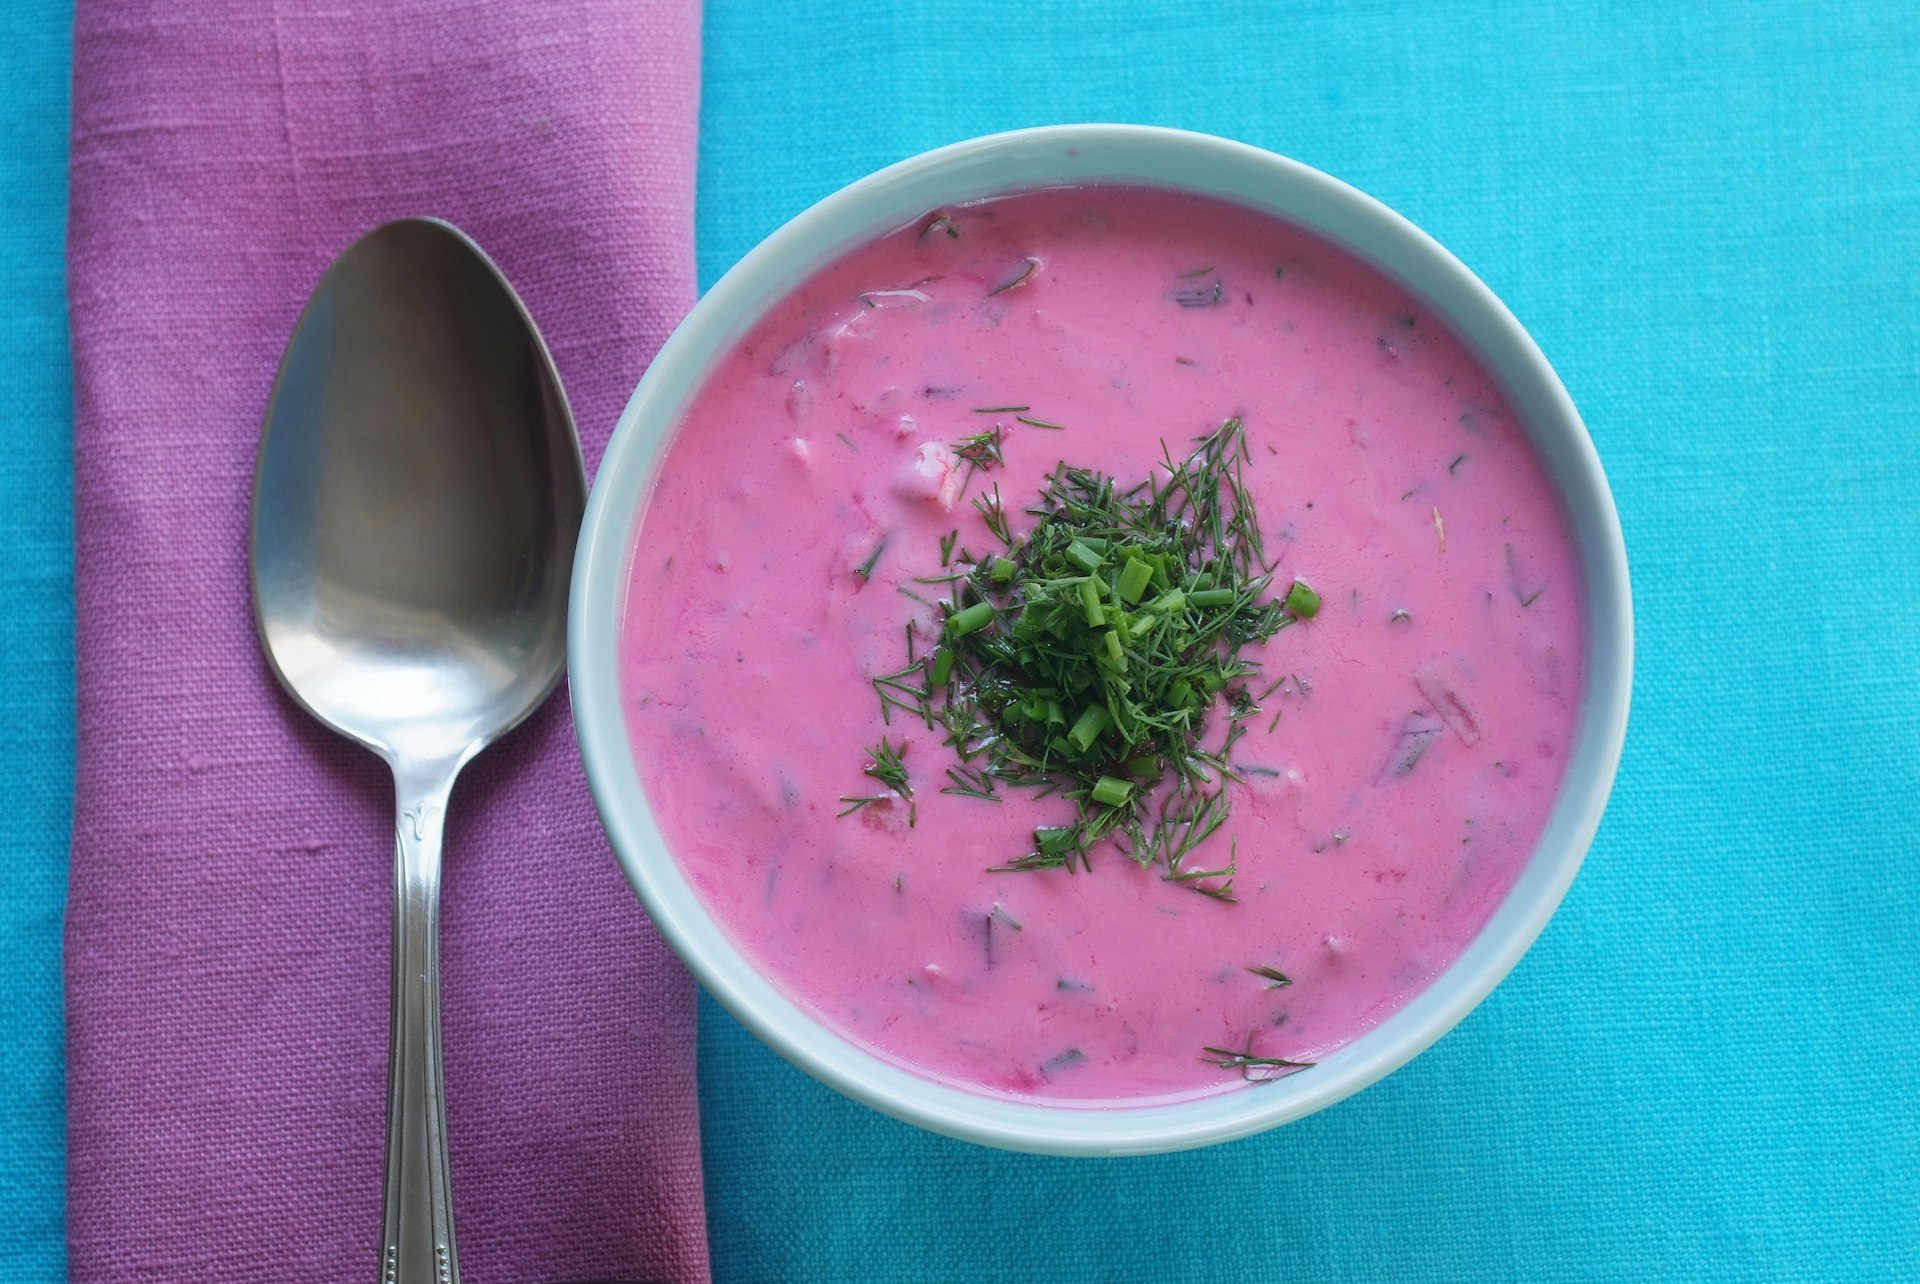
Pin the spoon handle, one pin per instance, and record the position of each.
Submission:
(417, 1232)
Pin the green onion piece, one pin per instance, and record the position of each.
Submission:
(1142, 623)
(1212, 597)
(1090, 599)
(1117, 656)
(1088, 727)
(943, 666)
(1088, 558)
(1171, 600)
(1144, 768)
(1133, 580)
(1302, 600)
(1110, 792)
(975, 617)
(1003, 570)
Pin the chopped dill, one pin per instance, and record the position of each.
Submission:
(1252, 1068)
(980, 451)
(889, 770)
(1088, 658)
(865, 569)
(995, 515)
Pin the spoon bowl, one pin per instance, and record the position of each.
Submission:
(416, 500)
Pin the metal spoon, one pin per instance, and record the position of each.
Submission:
(416, 502)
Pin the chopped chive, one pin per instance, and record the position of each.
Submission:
(1133, 580)
(1302, 600)
(971, 618)
(1088, 557)
(1109, 792)
(1090, 602)
(1087, 728)
(1171, 600)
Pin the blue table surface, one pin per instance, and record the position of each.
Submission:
(1711, 223)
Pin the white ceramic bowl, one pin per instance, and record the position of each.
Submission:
(1071, 154)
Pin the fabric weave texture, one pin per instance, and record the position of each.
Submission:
(230, 891)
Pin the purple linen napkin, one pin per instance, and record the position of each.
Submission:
(228, 931)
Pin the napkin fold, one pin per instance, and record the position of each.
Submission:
(229, 911)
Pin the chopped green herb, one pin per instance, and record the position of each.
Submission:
(1253, 1069)
(1302, 600)
(1087, 657)
(966, 621)
(1039, 423)
(995, 516)
(889, 770)
(1274, 976)
(865, 569)
(980, 451)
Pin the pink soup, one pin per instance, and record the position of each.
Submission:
(1411, 735)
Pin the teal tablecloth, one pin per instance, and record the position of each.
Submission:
(1706, 1068)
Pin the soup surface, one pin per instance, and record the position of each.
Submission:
(1405, 742)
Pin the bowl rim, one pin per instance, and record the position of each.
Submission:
(1057, 155)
